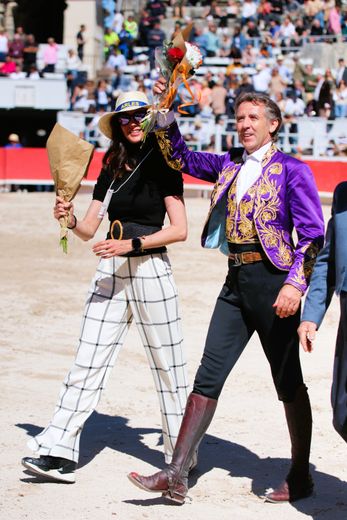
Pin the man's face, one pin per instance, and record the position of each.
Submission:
(253, 127)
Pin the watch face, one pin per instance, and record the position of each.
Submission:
(137, 244)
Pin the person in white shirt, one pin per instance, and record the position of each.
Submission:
(116, 60)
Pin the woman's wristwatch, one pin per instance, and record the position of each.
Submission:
(137, 245)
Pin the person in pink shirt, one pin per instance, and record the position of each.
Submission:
(334, 22)
(50, 56)
(8, 67)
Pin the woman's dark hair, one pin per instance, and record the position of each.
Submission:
(272, 110)
(121, 155)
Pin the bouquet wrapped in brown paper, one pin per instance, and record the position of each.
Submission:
(69, 158)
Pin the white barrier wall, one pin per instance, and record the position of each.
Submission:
(43, 94)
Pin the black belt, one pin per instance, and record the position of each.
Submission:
(126, 230)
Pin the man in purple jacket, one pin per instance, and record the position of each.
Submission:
(255, 205)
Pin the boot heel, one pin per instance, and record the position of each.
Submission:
(174, 496)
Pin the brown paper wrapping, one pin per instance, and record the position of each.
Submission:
(69, 158)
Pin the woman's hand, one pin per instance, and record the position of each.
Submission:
(109, 248)
(62, 209)
(159, 86)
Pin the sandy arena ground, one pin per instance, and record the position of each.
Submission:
(246, 449)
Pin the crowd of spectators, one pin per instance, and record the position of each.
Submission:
(255, 45)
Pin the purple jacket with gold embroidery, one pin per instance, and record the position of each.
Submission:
(285, 198)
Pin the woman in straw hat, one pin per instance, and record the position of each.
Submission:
(133, 281)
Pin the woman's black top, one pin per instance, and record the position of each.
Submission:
(140, 200)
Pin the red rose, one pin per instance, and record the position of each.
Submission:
(175, 55)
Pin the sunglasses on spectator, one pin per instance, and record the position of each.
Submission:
(125, 119)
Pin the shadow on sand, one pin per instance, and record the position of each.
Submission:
(103, 431)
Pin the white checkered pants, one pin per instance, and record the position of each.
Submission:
(122, 289)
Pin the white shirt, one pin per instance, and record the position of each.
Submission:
(250, 170)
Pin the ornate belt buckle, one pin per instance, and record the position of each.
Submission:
(120, 230)
(237, 259)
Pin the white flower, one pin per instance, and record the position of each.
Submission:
(193, 55)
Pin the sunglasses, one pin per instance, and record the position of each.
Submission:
(136, 116)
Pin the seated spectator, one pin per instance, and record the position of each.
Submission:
(252, 32)
(131, 26)
(218, 98)
(326, 96)
(283, 70)
(79, 99)
(103, 95)
(8, 67)
(33, 73)
(111, 41)
(3, 45)
(293, 7)
(121, 83)
(262, 78)
(212, 39)
(212, 10)
(15, 48)
(205, 96)
(13, 141)
(244, 86)
(145, 25)
(274, 29)
(232, 9)
(116, 60)
(236, 55)
(249, 56)
(50, 56)
(200, 39)
(156, 9)
(294, 106)
(248, 12)
(126, 43)
(73, 63)
(155, 38)
(286, 32)
(225, 46)
(118, 21)
(239, 39)
(29, 52)
(334, 21)
(310, 80)
(340, 99)
(264, 12)
(316, 30)
(108, 7)
(276, 84)
(18, 73)
(277, 9)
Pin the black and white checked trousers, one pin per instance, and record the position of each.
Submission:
(123, 289)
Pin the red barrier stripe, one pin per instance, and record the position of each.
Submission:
(31, 165)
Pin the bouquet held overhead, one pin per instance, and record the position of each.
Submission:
(177, 61)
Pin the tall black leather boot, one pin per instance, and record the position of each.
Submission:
(298, 483)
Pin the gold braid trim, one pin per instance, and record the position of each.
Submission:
(166, 149)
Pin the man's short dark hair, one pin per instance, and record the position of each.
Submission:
(272, 110)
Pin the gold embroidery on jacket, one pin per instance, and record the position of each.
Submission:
(166, 149)
(223, 179)
(240, 226)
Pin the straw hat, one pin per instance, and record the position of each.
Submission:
(14, 138)
(126, 102)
